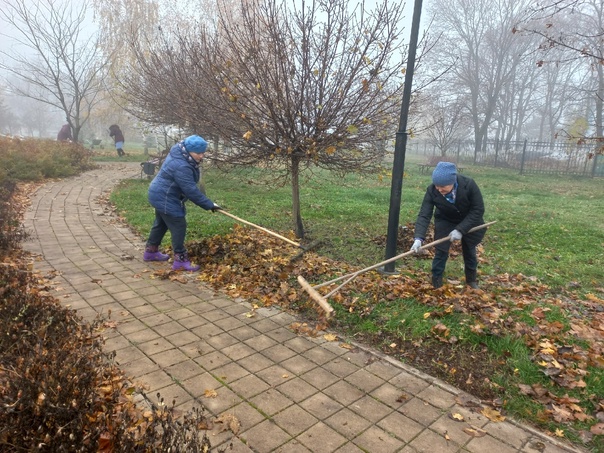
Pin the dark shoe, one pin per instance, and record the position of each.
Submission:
(183, 263)
(437, 282)
(471, 277)
(152, 253)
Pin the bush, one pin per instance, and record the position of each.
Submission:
(11, 230)
(34, 159)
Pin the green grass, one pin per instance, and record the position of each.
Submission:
(135, 152)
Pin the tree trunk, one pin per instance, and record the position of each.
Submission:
(599, 103)
(296, 216)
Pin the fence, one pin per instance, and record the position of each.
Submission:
(526, 157)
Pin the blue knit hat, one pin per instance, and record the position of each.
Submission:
(444, 174)
(195, 144)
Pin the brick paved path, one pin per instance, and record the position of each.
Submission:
(290, 393)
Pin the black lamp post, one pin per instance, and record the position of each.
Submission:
(400, 147)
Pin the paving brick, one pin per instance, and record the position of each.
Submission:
(321, 406)
(294, 420)
(249, 386)
(265, 437)
(347, 423)
(320, 438)
(297, 389)
(255, 362)
(430, 442)
(298, 364)
(230, 372)
(319, 377)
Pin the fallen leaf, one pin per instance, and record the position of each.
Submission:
(457, 417)
(210, 393)
(402, 397)
(230, 421)
(475, 432)
(597, 429)
(330, 337)
(492, 414)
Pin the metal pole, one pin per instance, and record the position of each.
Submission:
(398, 166)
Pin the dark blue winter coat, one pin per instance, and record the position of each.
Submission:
(176, 183)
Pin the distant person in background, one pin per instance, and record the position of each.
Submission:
(64, 134)
(118, 138)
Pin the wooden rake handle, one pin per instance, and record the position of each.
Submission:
(353, 275)
(316, 296)
(272, 233)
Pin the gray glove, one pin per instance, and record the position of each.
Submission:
(216, 208)
(456, 235)
(416, 245)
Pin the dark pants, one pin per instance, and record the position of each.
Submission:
(468, 248)
(470, 261)
(177, 227)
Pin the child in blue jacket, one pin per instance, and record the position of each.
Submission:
(177, 182)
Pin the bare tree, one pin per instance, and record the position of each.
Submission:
(291, 87)
(451, 122)
(59, 64)
(551, 19)
(484, 53)
(575, 27)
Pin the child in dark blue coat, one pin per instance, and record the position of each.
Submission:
(177, 182)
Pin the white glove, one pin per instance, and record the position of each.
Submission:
(456, 235)
(216, 208)
(416, 245)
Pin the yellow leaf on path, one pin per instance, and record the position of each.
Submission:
(247, 135)
(210, 393)
(330, 337)
(492, 414)
(559, 432)
(456, 417)
(475, 432)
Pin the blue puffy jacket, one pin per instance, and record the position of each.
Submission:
(176, 183)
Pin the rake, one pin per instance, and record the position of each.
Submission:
(322, 300)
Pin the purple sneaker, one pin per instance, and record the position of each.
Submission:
(183, 263)
(155, 256)
(152, 253)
